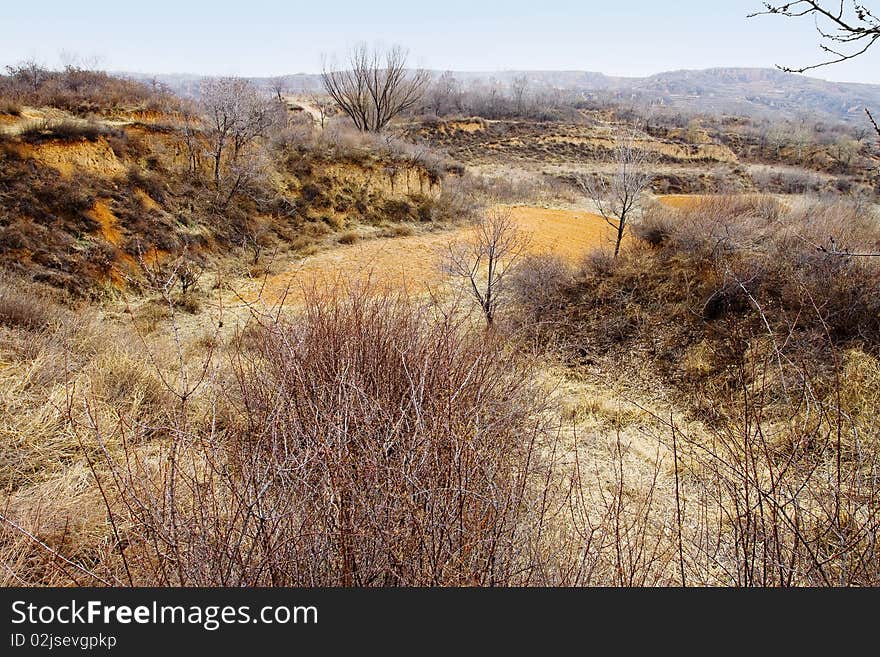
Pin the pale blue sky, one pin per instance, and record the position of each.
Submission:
(271, 37)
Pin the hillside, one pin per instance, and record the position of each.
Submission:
(105, 199)
(244, 344)
(742, 91)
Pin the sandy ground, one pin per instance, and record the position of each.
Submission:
(415, 261)
(680, 201)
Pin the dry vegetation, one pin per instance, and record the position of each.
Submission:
(194, 395)
(233, 173)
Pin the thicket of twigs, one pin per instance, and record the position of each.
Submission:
(367, 438)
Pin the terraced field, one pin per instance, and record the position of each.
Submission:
(481, 141)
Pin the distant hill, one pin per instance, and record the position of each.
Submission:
(754, 91)
(741, 91)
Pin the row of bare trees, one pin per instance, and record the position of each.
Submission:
(372, 86)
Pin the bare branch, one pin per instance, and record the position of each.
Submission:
(485, 261)
(236, 115)
(375, 87)
(835, 24)
(618, 196)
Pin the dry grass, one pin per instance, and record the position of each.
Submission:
(10, 107)
(64, 130)
(731, 269)
(24, 307)
(440, 432)
(349, 237)
(313, 421)
(369, 438)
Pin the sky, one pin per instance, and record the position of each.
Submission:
(275, 37)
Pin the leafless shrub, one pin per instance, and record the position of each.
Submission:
(619, 196)
(444, 95)
(370, 443)
(399, 230)
(189, 272)
(598, 263)
(236, 116)
(30, 73)
(484, 261)
(349, 237)
(791, 503)
(655, 226)
(537, 287)
(772, 181)
(324, 109)
(80, 89)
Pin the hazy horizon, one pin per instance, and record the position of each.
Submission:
(474, 72)
(267, 38)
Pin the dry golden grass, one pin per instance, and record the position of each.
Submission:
(87, 375)
(614, 451)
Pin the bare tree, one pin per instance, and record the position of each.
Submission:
(619, 195)
(279, 88)
(518, 89)
(846, 150)
(485, 260)
(236, 115)
(190, 132)
(775, 137)
(375, 86)
(445, 94)
(29, 72)
(322, 106)
(846, 31)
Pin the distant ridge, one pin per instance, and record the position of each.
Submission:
(740, 91)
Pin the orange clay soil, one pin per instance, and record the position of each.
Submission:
(681, 201)
(109, 230)
(567, 233)
(95, 158)
(414, 262)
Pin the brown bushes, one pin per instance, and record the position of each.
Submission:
(24, 306)
(370, 443)
(729, 271)
(799, 498)
(375, 441)
(10, 107)
(760, 331)
(66, 130)
(81, 91)
(349, 237)
(537, 286)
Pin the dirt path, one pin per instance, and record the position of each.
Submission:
(567, 233)
(414, 261)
